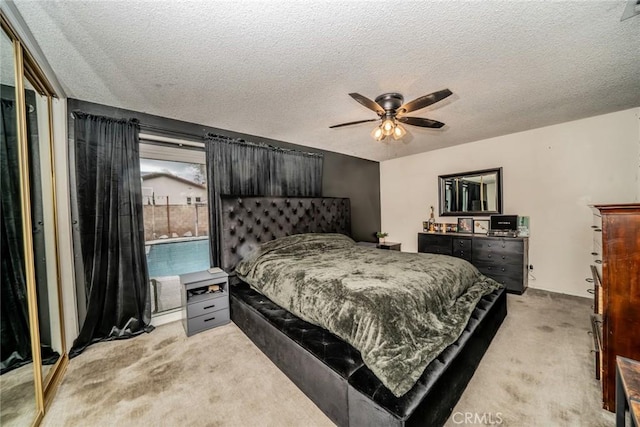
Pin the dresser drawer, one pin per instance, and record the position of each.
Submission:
(499, 269)
(497, 246)
(497, 256)
(510, 276)
(462, 244)
(459, 253)
(209, 320)
(207, 306)
(462, 248)
(434, 244)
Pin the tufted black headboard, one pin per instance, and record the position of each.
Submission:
(250, 221)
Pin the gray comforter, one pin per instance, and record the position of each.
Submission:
(400, 310)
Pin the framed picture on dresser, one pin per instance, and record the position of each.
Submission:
(465, 225)
(480, 226)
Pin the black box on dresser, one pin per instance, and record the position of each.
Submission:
(504, 259)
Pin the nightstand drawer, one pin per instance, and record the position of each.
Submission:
(207, 306)
(209, 320)
(392, 246)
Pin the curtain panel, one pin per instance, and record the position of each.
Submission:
(243, 168)
(15, 349)
(108, 193)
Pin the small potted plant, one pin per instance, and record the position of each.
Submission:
(381, 235)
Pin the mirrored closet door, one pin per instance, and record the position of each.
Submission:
(18, 404)
(32, 342)
(43, 227)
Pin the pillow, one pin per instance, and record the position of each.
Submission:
(292, 244)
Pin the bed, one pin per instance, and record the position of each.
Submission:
(326, 368)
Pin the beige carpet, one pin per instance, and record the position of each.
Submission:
(17, 397)
(537, 372)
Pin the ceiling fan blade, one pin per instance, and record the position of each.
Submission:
(424, 101)
(372, 105)
(419, 121)
(353, 123)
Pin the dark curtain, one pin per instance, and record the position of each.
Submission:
(15, 341)
(109, 197)
(244, 168)
(474, 197)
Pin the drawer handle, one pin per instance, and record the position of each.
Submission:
(213, 318)
(489, 268)
(461, 243)
(209, 306)
(598, 230)
(502, 268)
(594, 253)
(598, 261)
(594, 226)
(589, 279)
(503, 257)
(489, 256)
(591, 291)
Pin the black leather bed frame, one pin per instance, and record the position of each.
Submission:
(328, 370)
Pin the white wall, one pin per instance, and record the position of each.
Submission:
(65, 243)
(551, 174)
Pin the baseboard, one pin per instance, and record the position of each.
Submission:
(163, 319)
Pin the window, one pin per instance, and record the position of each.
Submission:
(198, 200)
(176, 230)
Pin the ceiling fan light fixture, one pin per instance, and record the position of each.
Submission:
(377, 133)
(399, 132)
(391, 109)
(388, 125)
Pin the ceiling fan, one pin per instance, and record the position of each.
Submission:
(391, 112)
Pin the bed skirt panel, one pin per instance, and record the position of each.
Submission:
(342, 386)
(323, 386)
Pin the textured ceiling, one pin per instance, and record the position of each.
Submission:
(283, 69)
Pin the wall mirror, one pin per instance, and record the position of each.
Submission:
(477, 193)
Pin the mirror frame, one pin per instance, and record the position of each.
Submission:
(441, 192)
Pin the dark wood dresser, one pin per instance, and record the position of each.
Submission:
(504, 259)
(616, 289)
